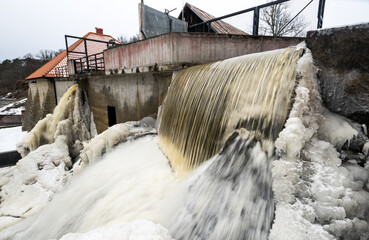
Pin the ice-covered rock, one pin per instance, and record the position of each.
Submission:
(71, 118)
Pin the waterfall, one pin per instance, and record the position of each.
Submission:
(232, 198)
(206, 103)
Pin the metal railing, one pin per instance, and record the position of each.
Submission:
(256, 10)
(91, 63)
(84, 63)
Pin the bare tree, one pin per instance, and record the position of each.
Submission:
(46, 55)
(277, 20)
(131, 39)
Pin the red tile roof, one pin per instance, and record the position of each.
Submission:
(218, 26)
(47, 70)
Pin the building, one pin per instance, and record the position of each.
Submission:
(43, 89)
(194, 15)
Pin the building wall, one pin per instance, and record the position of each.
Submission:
(134, 96)
(40, 102)
(61, 86)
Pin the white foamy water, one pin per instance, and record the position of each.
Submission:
(127, 184)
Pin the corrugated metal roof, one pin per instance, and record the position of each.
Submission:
(218, 26)
(47, 70)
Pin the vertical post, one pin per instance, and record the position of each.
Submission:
(255, 30)
(209, 27)
(88, 66)
(66, 45)
(321, 13)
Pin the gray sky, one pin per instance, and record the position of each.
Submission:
(28, 26)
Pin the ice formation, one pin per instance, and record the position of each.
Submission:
(71, 118)
(28, 186)
(316, 196)
(335, 129)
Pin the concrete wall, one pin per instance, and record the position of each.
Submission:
(41, 101)
(342, 55)
(192, 48)
(134, 96)
(61, 86)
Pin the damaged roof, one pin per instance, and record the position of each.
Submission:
(218, 26)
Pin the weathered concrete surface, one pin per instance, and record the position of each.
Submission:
(10, 119)
(41, 101)
(61, 86)
(342, 55)
(175, 49)
(134, 96)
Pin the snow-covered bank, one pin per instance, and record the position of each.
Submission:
(14, 108)
(9, 137)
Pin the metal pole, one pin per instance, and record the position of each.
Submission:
(255, 30)
(88, 67)
(66, 45)
(321, 13)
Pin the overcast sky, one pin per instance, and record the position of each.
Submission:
(28, 26)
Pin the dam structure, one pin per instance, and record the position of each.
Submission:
(137, 75)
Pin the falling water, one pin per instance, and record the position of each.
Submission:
(206, 103)
(232, 198)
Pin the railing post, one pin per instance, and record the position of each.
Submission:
(255, 29)
(88, 66)
(321, 13)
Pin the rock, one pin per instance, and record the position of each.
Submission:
(342, 55)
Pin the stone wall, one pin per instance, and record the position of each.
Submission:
(41, 101)
(133, 96)
(342, 55)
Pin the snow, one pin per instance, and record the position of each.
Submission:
(137, 230)
(9, 137)
(13, 108)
